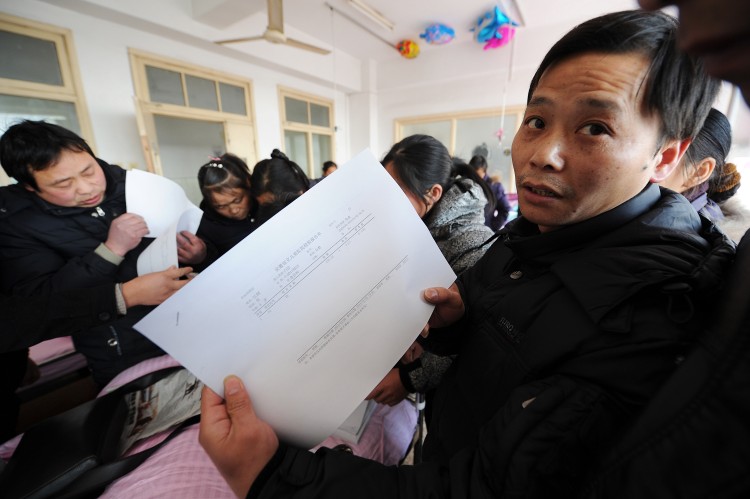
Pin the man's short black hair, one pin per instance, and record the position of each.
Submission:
(677, 87)
(31, 146)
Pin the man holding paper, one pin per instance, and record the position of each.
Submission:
(65, 226)
(571, 321)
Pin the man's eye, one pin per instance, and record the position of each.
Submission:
(594, 129)
(535, 123)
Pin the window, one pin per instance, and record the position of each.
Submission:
(186, 114)
(39, 77)
(308, 130)
(470, 133)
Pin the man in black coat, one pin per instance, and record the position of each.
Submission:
(693, 439)
(65, 226)
(568, 325)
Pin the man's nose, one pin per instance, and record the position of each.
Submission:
(548, 153)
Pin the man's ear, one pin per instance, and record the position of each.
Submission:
(668, 158)
(29, 188)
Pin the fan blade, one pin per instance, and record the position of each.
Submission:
(275, 15)
(306, 46)
(239, 40)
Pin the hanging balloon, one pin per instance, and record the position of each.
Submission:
(438, 34)
(494, 29)
(408, 48)
(504, 35)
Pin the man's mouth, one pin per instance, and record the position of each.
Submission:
(542, 192)
(91, 201)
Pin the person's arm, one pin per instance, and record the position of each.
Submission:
(541, 443)
(31, 266)
(390, 390)
(26, 321)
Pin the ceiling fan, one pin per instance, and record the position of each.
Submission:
(275, 31)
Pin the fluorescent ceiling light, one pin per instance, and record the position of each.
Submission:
(373, 14)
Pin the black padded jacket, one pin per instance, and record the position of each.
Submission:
(46, 248)
(566, 336)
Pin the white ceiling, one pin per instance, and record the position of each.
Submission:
(329, 23)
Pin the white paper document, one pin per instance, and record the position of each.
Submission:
(167, 211)
(314, 307)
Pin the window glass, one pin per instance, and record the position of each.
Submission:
(185, 145)
(29, 59)
(322, 152)
(232, 99)
(165, 86)
(320, 115)
(441, 130)
(295, 145)
(15, 108)
(480, 136)
(201, 93)
(296, 110)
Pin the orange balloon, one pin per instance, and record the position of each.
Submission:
(408, 48)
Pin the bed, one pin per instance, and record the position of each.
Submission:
(181, 469)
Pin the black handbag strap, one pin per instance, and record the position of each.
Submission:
(93, 482)
(142, 382)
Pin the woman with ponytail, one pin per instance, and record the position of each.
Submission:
(707, 180)
(276, 182)
(450, 198)
(448, 195)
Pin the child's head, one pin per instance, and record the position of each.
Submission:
(225, 185)
(276, 182)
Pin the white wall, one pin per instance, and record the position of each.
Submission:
(454, 82)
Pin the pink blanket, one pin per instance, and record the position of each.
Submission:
(181, 469)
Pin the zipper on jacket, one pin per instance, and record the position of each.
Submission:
(115, 340)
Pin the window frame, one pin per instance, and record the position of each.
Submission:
(71, 91)
(308, 129)
(146, 109)
(454, 118)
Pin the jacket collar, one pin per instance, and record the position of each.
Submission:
(655, 240)
(114, 194)
(524, 238)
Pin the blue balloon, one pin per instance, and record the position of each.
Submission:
(489, 26)
(438, 34)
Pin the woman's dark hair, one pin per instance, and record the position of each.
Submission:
(676, 87)
(223, 173)
(275, 183)
(713, 141)
(31, 146)
(421, 161)
(478, 162)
